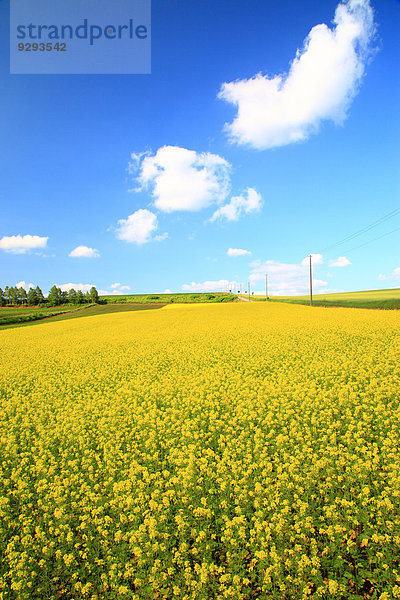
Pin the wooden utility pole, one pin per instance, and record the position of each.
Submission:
(266, 287)
(310, 282)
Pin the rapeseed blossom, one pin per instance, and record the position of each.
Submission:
(243, 451)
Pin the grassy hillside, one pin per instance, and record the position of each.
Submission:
(88, 311)
(210, 297)
(384, 299)
(25, 314)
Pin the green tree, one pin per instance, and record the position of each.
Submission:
(39, 295)
(32, 298)
(94, 295)
(12, 295)
(80, 297)
(72, 296)
(21, 295)
(2, 299)
(54, 297)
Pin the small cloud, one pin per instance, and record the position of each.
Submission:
(21, 244)
(316, 260)
(26, 286)
(118, 286)
(84, 252)
(167, 291)
(342, 261)
(83, 287)
(237, 252)
(395, 274)
(206, 286)
(239, 205)
(139, 228)
(323, 79)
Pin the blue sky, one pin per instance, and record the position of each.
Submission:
(149, 180)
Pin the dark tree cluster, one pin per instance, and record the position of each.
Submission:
(14, 296)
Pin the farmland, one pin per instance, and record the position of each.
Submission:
(237, 450)
(184, 298)
(26, 314)
(382, 299)
(20, 317)
(17, 316)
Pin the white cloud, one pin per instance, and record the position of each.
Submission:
(84, 252)
(26, 286)
(342, 261)
(238, 205)
(21, 244)
(237, 252)
(395, 274)
(316, 260)
(83, 287)
(139, 228)
(206, 286)
(322, 81)
(118, 286)
(182, 179)
(167, 291)
(284, 279)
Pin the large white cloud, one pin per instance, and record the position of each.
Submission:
(84, 252)
(238, 205)
(284, 279)
(182, 179)
(234, 252)
(139, 228)
(323, 79)
(206, 286)
(342, 261)
(21, 244)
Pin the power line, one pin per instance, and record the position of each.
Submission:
(374, 240)
(386, 217)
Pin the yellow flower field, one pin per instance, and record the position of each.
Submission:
(244, 451)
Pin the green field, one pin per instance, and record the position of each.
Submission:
(209, 297)
(384, 299)
(26, 314)
(34, 318)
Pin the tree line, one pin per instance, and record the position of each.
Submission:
(56, 296)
